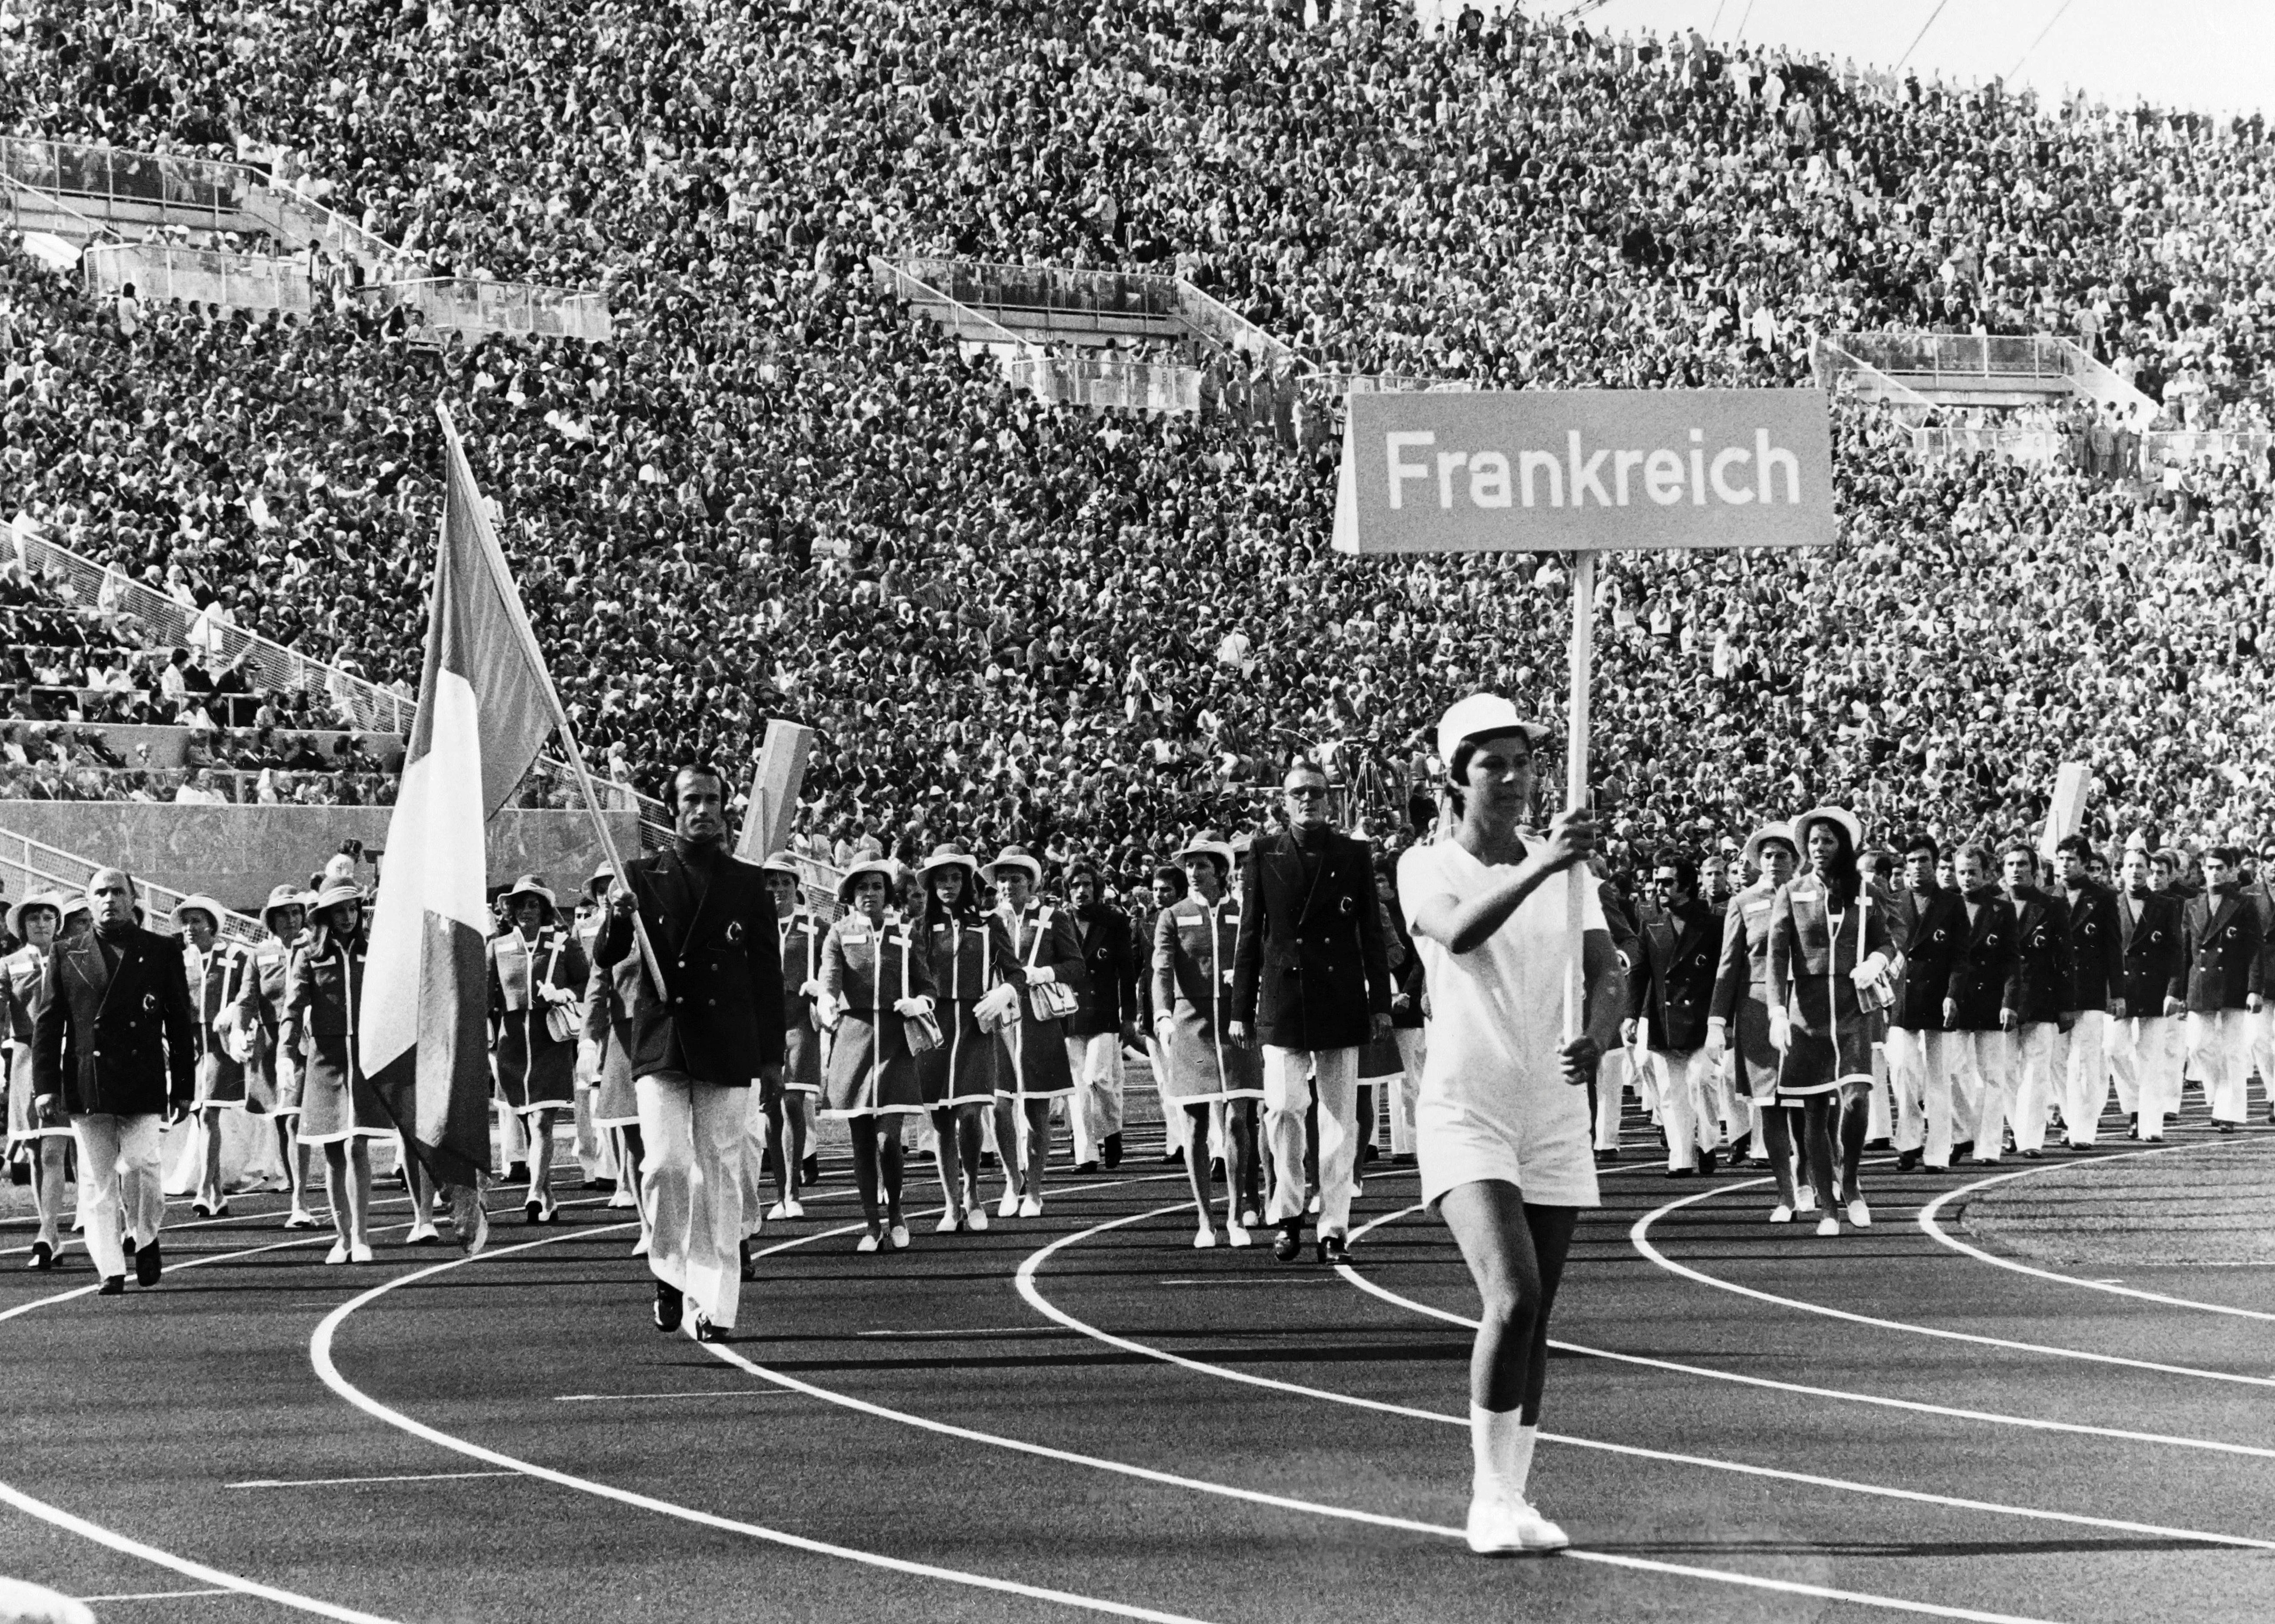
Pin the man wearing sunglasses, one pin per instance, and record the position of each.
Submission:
(1310, 981)
(2261, 895)
(1669, 994)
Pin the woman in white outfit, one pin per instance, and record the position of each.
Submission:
(1501, 1129)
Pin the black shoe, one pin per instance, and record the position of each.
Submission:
(2133, 1125)
(517, 1172)
(43, 1257)
(1114, 1149)
(148, 1264)
(1085, 1166)
(128, 1243)
(2224, 1127)
(750, 1264)
(669, 1307)
(1403, 1158)
(705, 1332)
(2032, 1155)
(1706, 1162)
(1906, 1161)
(113, 1285)
(1333, 1249)
(988, 1163)
(1367, 1153)
(1289, 1245)
(1173, 1152)
(1964, 1151)
(1604, 1158)
(533, 1211)
(1216, 1169)
(1682, 1173)
(1741, 1148)
(809, 1171)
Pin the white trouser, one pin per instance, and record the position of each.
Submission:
(1288, 1075)
(1879, 1114)
(2035, 1087)
(1983, 1087)
(120, 1184)
(750, 1170)
(2263, 1046)
(1406, 1087)
(692, 1135)
(2145, 1061)
(1688, 1109)
(1919, 1076)
(1618, 1065)
(2219, 1052)
(1095, 1111)
(2081, 1065)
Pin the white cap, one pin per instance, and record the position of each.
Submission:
(1482, 715)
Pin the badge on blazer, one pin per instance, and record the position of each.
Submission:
(734, 932)
(1345, 905)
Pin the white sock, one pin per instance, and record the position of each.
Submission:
(1501, 1451)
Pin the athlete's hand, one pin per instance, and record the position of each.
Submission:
(2009, 1020)
(1718, 1038)
(1238, 1030)
(2174, 1006)
(2116, 1008)
(1950, 1014)
(1581, 1057)
(623, 904)
(1628, 1030)
(1781, 1031)
(1571, 839)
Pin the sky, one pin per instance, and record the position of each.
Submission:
(2202, 56)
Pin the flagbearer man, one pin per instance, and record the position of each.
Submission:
(113, 1048)
(707, 1021)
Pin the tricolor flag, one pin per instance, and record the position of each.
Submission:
(486, 706)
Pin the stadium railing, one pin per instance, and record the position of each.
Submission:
(1098, 381)
(478, 304)
(2037, 445)
(30, 865)
(162, 271)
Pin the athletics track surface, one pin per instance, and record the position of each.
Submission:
(1080, 1416)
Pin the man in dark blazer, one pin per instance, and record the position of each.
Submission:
(2261, 894)
(1104, 1017)
(706, 1022)
(1930, 927)
(2146, 1055)
(1310, 980)
(1670, 995)
(2096, 968)
(2226, 985)
(113, 1048)
(2045, 1012)
(1982, 1006)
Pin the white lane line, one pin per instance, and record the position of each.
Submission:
(1639, 1235)
(977, 1330)
(326, 1483)
(57, 1516)
(2115, 1525)
(631, 1397)
(1265, 1280)
(1928, 1221)
(154, 1595)
(319, 1354)
(1025, 1281)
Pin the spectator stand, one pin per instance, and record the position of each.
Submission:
(1991, 370)
(477, 306)
(27, 866)
(173, 271)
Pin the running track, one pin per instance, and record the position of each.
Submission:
(1082, 1417)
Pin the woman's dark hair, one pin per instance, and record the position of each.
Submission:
(320, 936)
(1457, 772)
(1170, 875)
(966, 911)
(1842, 882)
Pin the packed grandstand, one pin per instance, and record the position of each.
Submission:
(776, 491)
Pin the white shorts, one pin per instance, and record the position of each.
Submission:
(1552, 1162)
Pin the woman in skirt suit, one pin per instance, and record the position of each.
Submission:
(535, 968)
(45, 1136)
(1742, 1001)
(873, 979)
(1827, 944)
(1209, 1076)
(323, 987)
(958, 1076)
(790, 1115)
(1036, 950)
(216, 971)
(610, 992)
(273, 1068)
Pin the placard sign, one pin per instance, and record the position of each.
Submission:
(1585, 470)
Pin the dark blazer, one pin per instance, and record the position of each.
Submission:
(2223, 940)
(1671, 988)
(1310, 967)
(718, 1018)
(2261, 896)
(2048, 982)
(1109, 961)
(2156, 953)
(1987, 977)
(120, 1043)
(1933, 928)
(2097, 948)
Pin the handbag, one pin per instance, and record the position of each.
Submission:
(1879, 992)
(564, 1020)
(921, 1032)
(1053, 1000)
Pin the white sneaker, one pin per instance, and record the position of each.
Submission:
(1203, 1240)
(422, 1231)
(900, 1236)
(1859, 1214)
(1008, 1206)
(1781, 1213)
(949, 1222)
(1505, 1527)
(780, 1210)
(338, 1254)
(867, 1242)
(1248, 1220)
(360, 1252)
(976, 1217)
(793, 1208)
(1030, 1208)
(1807, 1201)
(1828, 1225)
(1236, 1235)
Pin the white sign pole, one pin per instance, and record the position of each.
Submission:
(1576, 787)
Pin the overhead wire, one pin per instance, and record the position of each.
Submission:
(2034, 44)
(1922, 34)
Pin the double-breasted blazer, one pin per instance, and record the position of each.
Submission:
(2156, 948)
(1986, 978)
(1309, 970)
(1671, 989)
(2097, 948)
(2223, 940)
(119, 1041)
(718, 1015)
(2043, 941)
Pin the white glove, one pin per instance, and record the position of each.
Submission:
(1042, 976)
(998, 1007)
(1781, 1029)
(1717, 1037)
(1868, 970)
(825, 1011)
(1164, 1027)
(809, 989)
(912, 1005)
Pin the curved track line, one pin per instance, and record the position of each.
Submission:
(1639, 1235)
(1936, 1232)
(319, 1354)
(58, 1517)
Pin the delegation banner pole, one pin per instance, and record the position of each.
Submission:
(1576, 787)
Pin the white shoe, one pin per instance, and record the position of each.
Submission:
(1828, 1226)
(1203, 1240)
(950, 1223)
(360, 1252)
(1030, 1208)
(900, 1237)
(1505, 1527)
(1236, 1235)
(422, 1231)
(793, 1208)
(1008, 1206)
(1248, 1220)
(622, 1197)
(1859, 1214)
(1781, 1213)
(780, 1210)
(976, 1217)
(1807, 1202)
(1312, 1207)
(338, 1254)
(866, 1244)
(640, 1247)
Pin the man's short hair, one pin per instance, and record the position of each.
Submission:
(1083, 868)
(2019, 849)
(1976, 850)
(2166, 858)
(1922, 840)
(2075, 843)
(2230, 855)
(1306, 765)
(1170, 875)
(1686, 872)
(701, 769)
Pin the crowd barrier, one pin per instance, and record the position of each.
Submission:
(1099, 382)
(164, 271)
(472, 305)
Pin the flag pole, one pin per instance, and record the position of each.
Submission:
(1576, 789)
(494, 554)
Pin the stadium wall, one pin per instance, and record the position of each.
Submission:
(236, 854)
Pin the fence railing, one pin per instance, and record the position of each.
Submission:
(1102, 382)
(30, 865)
(211, 786)
(2185, 446)
(102, 181)
(472, 305)
(1960, 356)
(976, 326)
(203, 276)
(2034, 446)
